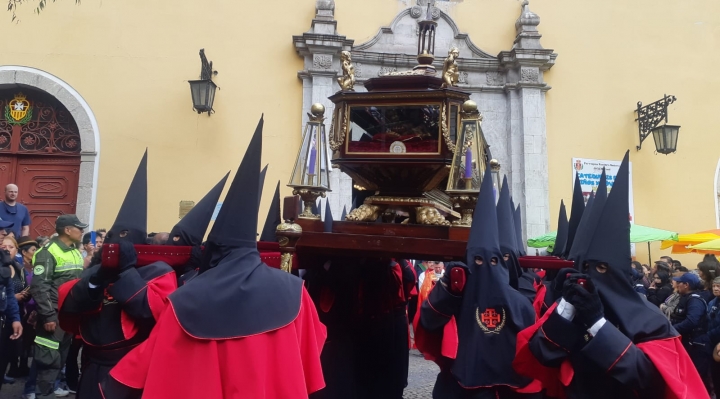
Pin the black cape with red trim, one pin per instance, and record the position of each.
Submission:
(629, 356)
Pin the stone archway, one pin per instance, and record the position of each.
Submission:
(86, 122)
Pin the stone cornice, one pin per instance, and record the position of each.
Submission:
(310, 43)
(543, 59)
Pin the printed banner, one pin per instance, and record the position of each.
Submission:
(589, 171)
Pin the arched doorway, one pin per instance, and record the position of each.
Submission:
(17, 78)
(40, 153)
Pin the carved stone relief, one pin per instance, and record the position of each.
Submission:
(529, 75)
(322, 61)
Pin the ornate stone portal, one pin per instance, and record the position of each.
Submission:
(508, 88)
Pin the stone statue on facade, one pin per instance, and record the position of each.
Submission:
(347, 81)
(451, 74)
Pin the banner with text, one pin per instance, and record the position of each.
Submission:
(589, 171)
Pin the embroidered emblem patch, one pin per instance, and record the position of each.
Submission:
(491, 321)
(39, 270)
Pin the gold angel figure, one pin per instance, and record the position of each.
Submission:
(347, 81)
(451, 73)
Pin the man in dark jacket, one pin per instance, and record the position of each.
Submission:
(690, 320)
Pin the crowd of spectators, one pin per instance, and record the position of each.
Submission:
(689, 299)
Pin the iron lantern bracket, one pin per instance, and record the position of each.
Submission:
(650, 116)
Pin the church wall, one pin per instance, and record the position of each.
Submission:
(130, 60)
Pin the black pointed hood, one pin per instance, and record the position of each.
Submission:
(506, 231)
(517, 218)
(236, 223)
(273, 219)
(344, 214)
(190, 230)
(562, 231)
(315, 208)
(492, 312)
(261, 184)
(576, 212)
(587, 226)
(328, 219)
(131, 221)
(235, 284)
(609, 250)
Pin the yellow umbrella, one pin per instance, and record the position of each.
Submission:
(709, 247)
(685, 241)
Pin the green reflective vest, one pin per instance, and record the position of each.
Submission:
(66, 261)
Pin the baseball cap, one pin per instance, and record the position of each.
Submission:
(4, 224)
(69, 220)
(689, 278)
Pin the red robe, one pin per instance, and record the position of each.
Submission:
(668, 355)
(279, 364)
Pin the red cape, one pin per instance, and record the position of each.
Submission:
(668, 356)
(284, 363)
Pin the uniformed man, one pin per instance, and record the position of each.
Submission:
(57, 262)
(689, 319)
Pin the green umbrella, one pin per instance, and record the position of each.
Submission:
(638, 233)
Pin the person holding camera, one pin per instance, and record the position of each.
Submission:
(601, 339)
(10, 326)
(11, 347)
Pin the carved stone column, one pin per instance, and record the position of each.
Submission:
(320, 47)
(524, 65)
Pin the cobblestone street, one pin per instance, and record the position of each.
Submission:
(421, 377)
(420, 380)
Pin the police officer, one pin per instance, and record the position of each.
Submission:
(57, 262)
(690, 320)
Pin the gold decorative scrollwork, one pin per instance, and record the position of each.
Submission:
(289, 227)
(445, 128)
(334, 145)
(364, 213)
(286, 262)
(430, 216)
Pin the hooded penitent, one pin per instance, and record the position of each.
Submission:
(507, 236)
(562, 231)
(131, 221)
(190, 230)
(233, 272)
(328, 222)
(607, 262)
(587, 225)
(492, 313)
(261, 183)
(273, 219)
(517, 218)
(577, 210)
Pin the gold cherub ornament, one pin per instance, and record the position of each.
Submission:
(347, 81)
(451, 73)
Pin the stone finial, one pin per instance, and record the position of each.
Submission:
(526, 28)
(528, 20)
(325, 5)
(325, 9)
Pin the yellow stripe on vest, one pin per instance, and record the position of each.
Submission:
(47, 343)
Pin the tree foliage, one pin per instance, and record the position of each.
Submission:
(41, 4)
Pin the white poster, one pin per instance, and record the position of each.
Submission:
(589, 171)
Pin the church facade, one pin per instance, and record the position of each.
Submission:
(555, 82)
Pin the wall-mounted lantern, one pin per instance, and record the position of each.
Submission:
(649, 119)
(203, 90)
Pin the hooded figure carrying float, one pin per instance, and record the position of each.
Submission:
(601, 339)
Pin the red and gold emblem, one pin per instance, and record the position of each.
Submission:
(578, 165)
(18, 111)
(491, 321)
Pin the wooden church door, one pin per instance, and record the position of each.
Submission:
(40, 153)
